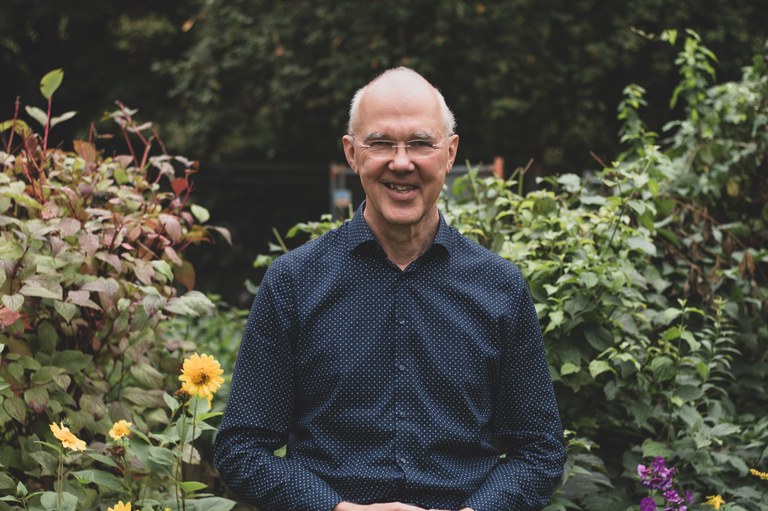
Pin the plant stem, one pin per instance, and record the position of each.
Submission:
(61, 480)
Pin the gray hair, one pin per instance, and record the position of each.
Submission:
(449, 121)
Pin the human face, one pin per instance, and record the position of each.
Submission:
(401, 191)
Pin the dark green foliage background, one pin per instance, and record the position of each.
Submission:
(271, 80)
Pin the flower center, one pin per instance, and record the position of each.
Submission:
(199, 378)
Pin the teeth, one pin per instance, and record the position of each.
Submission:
(399, 188)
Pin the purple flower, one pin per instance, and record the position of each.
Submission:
(657, 476)
(673, 497)
(689, 496)
(648, 504)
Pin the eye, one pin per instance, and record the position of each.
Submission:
(420, 144)
(381, 144)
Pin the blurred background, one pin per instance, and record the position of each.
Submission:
(258, 91)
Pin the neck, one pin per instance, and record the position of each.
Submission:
(404, 244)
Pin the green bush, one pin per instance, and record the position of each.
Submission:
(90, 266)
(650, 283)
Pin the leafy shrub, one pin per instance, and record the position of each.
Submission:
(90, 266)
(650, 282)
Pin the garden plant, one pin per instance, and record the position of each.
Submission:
(650, 276)
(99, 408)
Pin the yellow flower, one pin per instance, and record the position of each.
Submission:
(715, 501)
(120, 429)
(67, 438)
(201, 376)
(757, 473)
(120, 506)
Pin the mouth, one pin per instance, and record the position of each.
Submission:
(400, 188)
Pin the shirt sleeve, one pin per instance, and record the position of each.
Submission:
(526, 420)
(257, 417)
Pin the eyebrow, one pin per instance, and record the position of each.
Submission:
(415, 135)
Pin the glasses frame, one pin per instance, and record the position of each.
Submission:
(394, 147)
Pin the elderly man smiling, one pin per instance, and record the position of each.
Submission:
(400, 362)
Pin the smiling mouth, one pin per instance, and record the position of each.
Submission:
(400, 188)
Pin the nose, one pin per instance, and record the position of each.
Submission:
(401, 160)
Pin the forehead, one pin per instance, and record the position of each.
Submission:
(400, 105)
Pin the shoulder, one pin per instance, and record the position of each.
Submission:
(468, 255)
(311, 256)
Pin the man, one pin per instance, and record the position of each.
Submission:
(400, 362)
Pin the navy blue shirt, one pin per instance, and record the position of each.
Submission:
(427, 385)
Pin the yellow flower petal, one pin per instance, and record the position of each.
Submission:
(120, 429)
(120, 506)
(715, 501)
(757, 473)
(66, 437)
(201, 376)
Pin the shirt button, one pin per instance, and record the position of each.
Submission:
(401, 321)
(401, 414)
(401, 367)
(402, 461)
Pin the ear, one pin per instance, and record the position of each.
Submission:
(453, 147)
(349, 151)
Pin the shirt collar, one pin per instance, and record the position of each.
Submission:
(359, 233)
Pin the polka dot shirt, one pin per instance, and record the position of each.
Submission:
(427, 385)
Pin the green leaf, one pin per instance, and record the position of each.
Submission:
(163, 269)
(201, 214)
(16, 408)
(14, 301)
(569, 368)
(147, 375)
(101, 458)
(61, 118)
(51, 82)
(42, 288)
(46, 374)
(193, 303)
(663, 368)
(597, 367)
(210, 504)
(651, 449)
(65, 310)
(191, 486)
(100, 478)
(144, 397)
(641, 244)
(37, 114)
(589, 279)
(36, 398)
(170, 402)
(49, 500)
(689, 392)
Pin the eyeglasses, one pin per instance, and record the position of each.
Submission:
(386, 149)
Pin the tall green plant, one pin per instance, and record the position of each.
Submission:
(90, 264)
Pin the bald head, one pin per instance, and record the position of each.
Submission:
(398, 85)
